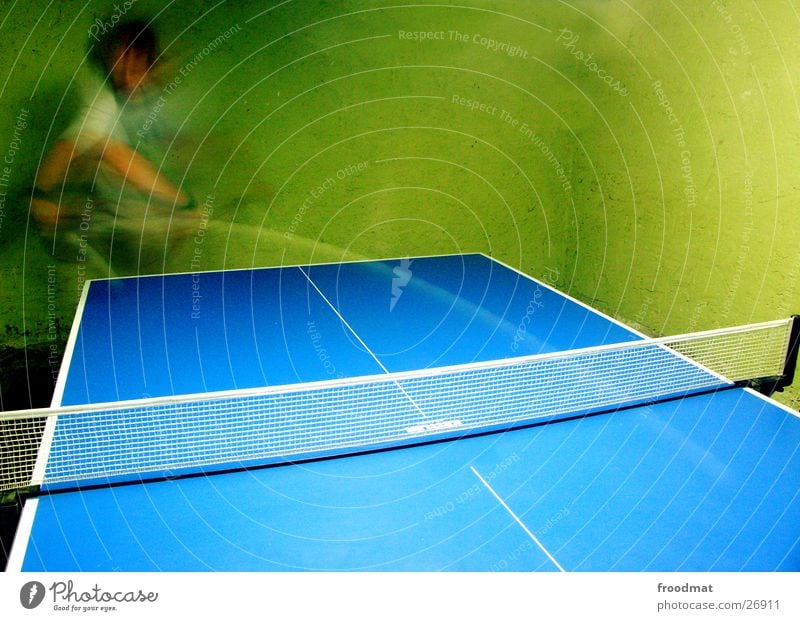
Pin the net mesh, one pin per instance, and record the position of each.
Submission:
(19, 446)
(395, 409)
(739, 355)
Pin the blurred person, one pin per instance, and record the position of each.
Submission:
(94, 191)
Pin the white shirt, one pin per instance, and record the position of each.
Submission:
(99, 115)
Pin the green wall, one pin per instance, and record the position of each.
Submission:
(640, 154)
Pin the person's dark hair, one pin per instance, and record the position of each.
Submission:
(135, 35)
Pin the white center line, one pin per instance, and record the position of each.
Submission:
(363, 344)
(512, 514)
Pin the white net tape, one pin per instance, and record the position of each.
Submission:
(279, 424)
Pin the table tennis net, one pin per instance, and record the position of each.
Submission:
(160, 437)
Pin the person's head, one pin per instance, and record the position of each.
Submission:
(126, 53)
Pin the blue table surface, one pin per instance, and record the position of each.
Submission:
(706, 483)
(193, 333)
(709, 482)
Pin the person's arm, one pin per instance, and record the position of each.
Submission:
(138, 171)
(55, 165)
(50, 174)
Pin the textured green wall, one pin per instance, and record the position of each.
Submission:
(641, 154)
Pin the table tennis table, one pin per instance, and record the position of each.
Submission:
(705, 480)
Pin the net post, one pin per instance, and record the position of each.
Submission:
(790, 365)
(769, 385)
